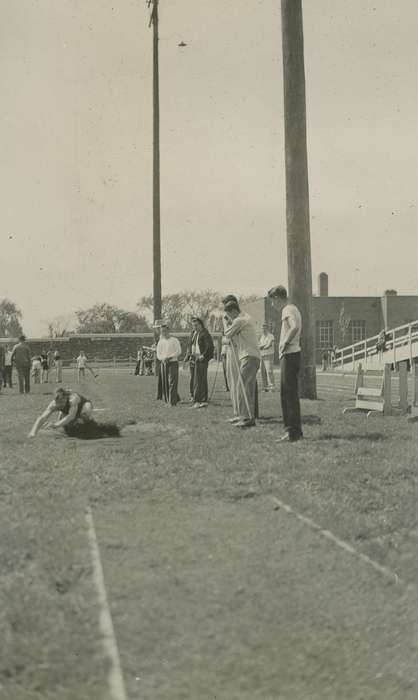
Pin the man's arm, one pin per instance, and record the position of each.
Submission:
(236, 326)
(293, 329)
(72, 414)
(42, 419)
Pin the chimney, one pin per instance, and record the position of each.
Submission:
(323, 284)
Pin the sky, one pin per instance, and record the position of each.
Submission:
(76, 149)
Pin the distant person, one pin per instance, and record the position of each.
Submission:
(36, 369)
(381, 341)
(200, 351)
(230, 364)
(139, 367)
(168, 353)
(2, 363)
(246, 356)
(57, 366)
(289, 354)
(82, 365)
(7, 369)
(21, 358)
(266, 345)
(45, 367)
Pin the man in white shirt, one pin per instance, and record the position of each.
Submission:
(266, 345)
(168, 353)
(7, 373)
(246, 354)
(289, 355)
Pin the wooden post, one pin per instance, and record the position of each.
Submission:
(297, 189)
(359, 378)
(156, 211)
(403, 386)
(387, 390)
(414, 372)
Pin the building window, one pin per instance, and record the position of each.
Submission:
(324, 334)
(358, 331)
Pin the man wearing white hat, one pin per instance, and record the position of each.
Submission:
(168, 353)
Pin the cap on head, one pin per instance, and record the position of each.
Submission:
(22, 338)
(278, 292)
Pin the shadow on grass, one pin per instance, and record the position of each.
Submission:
(371, 437)
(306, 420)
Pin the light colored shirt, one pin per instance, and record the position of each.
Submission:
(243, 336)
(290, 317)
(266, 344)
(168, 349)
(81, 362)
(8, 358)
(195, 345)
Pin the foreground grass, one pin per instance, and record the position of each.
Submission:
(353, 476)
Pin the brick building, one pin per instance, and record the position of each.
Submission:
(341, 321)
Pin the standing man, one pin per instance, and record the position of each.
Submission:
(22, 359)
(58, 366)
(246, 356)
(7, 370)
(266, 345)
(289, 355)
(200, 351)
(2, 363)
(168, 353)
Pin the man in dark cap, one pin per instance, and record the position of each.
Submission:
(22, 360)
(289, 356)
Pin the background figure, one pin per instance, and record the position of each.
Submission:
(231, 367)
(224, 352)
(58, 366)
(22, 360)
(266, 345)
(45, 367)
(168, 353)
(36, 369)
(289, 353)
(7, 369)
(246, 354)
(139, 368)
(82, 365)
(2, 363)
(200, 351)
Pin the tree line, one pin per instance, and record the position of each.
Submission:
(178, 308)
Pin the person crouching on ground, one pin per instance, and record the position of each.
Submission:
(200, 351)
(246, 355)
(71, 406)
(168, 353)
(289, 355)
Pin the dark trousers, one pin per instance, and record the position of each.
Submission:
(23, 377)
(159, 380)
(169, 381)
(289, 394)
(199, 381)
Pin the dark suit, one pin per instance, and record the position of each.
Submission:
(199, 368)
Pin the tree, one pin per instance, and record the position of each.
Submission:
(344, 321)
(61, 326)
(10, 317)
(180, 307)
(105, 318)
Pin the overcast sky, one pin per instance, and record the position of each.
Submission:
(76, 148)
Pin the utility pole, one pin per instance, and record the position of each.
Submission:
(297, 187)
(156, 216)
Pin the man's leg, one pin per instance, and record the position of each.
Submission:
(173, 381)
(224, 371)
(192, 368)
(268, 361)
(20, 379)
(264, 378)
(201, 389)
(290, 395)
(26, 378)
(247, 388)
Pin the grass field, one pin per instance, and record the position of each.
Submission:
(215, 591)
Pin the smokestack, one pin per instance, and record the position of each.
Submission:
(323, 284)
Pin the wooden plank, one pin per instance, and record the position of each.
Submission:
(370, 405)
(368, 391)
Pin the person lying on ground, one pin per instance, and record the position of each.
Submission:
(70, 406)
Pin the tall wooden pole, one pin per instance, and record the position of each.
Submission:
(297, 189)
(156, 169)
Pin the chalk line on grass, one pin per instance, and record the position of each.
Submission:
(327, 534)
(115, 676)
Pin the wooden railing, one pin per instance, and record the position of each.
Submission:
(365, 350)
